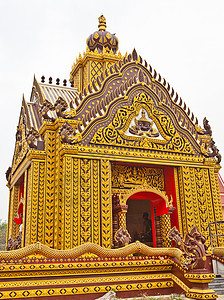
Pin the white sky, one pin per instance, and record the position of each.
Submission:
(182, 39)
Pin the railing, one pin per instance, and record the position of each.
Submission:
(216, 233)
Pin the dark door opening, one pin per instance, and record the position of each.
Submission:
(139, 221)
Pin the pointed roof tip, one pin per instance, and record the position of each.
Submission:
(102, 23)
(134, 54)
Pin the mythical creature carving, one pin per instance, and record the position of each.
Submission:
(122, 236)
(61, 106)
(69, 135)
(14, 244)
(207, 127)
(18, 241)
(193, 245)
(215, 151)
(19, 139)
(8, 173)
(10, 244)
(208, 147)
(174, 235)
(143, 127)
(45, 108)
(32, 137)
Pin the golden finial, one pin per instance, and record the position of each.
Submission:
(102, 23)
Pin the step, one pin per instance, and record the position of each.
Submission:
(217, 285)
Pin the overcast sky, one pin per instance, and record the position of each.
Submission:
(182, 40)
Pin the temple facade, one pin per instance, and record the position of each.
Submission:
(114, 157)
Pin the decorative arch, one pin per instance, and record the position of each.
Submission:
(146, 189)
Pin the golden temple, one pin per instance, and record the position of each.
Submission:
(113, 186)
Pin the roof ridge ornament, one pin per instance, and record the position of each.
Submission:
(102, 23)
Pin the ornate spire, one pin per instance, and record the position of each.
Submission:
(102, 40)
(102, 23)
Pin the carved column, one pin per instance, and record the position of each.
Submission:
(165, 226)
(122, 216)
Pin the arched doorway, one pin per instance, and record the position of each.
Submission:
(145, 213)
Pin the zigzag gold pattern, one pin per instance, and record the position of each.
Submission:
(178, 189)
(187, 197)
(14, 201)
(85, 210)
(68, 205)
(49, 198)
(75, 202)
(195, 203)
(28, 207)
(34, 201)
(57, 187)
(40, 236)
(95, 202)
(130, 249)
(106, 205)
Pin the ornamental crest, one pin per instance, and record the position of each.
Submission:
(142, 125)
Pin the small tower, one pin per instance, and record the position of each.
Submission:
(101, 54)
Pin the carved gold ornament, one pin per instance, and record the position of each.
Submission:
(116, 132)
(128, 176)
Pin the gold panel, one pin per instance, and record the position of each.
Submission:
(14, 201)
(50, 188)
(128, 176)
(106, 204)
(75, 229)
(85, 195)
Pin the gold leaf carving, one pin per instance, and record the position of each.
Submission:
(115, 133)
(127, 176)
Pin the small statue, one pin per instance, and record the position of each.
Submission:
(8, 173)
(122, 236)
(45, 108)
(10, 244)
(143, 127)
(207, 127)
(32, 137)
(69, 135)
(18, 241)
(193, 245)
(174, 235)
(61, 106)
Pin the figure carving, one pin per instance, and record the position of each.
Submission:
(19, 138)
(143, 127)
(215, 151)
(69, 135)
(207, 127)
(193, 245)
(10, 244)
(174, 235)
(122, 236)
(45, 108)
(61, 107)
(32, 137)
(8, 173)
(18, 241)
